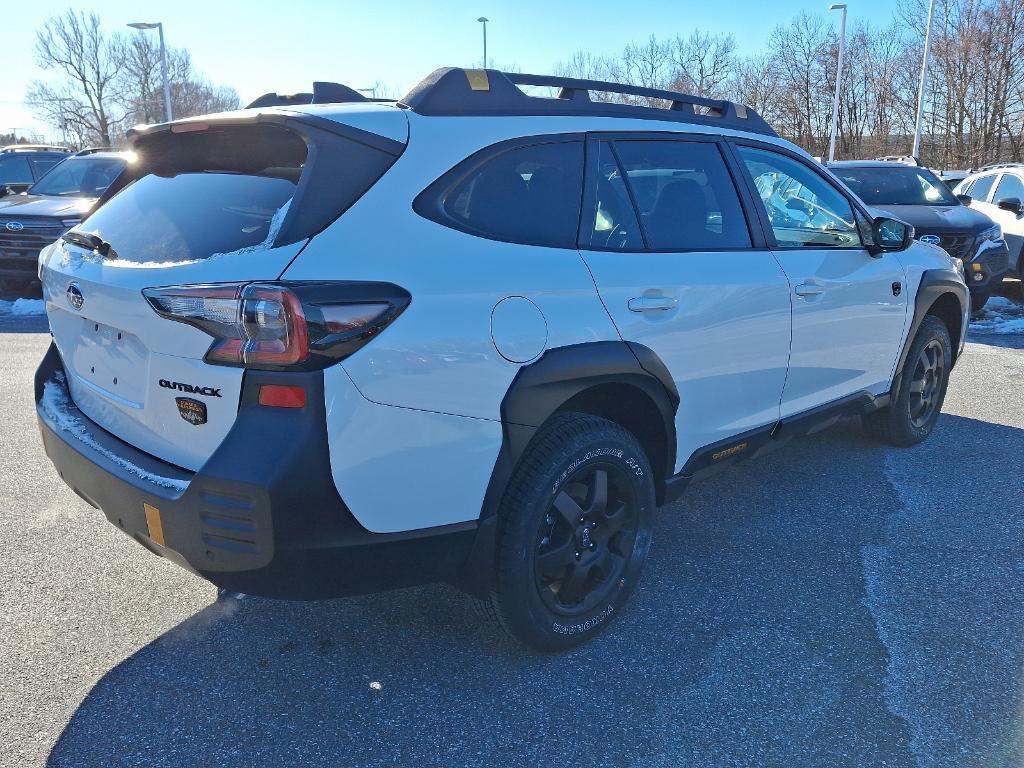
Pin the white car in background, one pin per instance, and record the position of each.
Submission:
(998, 192)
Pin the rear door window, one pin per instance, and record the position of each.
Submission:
(684, 194)
(611, 223)
(15, 170)
(529, 194)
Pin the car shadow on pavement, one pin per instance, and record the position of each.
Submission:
(749, 642)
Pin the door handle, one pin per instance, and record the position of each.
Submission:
(809, 289)
(652, 303)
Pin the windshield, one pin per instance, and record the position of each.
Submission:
(898, 185)
(80, 177)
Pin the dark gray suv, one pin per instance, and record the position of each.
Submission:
(21, 165)
(917, 196)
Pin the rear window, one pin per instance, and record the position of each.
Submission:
(191, 216)
(233, 189)
(528, 195)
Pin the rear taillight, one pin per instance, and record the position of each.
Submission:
(279, 326)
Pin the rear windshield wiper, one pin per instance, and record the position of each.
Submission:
(92, 242)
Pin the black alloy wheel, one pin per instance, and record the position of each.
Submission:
(927, 383)
(586, 539)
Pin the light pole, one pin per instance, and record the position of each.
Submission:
(924, 80)
(158, 25)
(839, 77)
(483, 20)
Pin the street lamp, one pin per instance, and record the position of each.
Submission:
(839, 77)
(924, 78)
(483, 20)
(163, 63)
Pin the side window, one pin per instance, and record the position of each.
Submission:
(805, 210)
(612, 223)
(1010, 186)
(41, 166)
(685, 195)
(982, 186)
(14, 170)
(525, 195)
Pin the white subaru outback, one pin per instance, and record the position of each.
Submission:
(324, 346)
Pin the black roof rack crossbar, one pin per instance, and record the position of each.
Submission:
(454, 91)
(323, 93)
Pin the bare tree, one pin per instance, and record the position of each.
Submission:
(83, 102)
(141, 84)
(704, 63)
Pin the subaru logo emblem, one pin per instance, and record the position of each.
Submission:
(75, 297)
(14, 226)
(930, 239)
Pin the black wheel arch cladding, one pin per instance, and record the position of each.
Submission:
(938, 294)
(594, 377)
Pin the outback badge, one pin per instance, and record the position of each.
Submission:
(192, 411)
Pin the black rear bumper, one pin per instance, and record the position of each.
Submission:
(262, 516)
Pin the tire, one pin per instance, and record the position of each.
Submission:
(569, 555)
(915, 407)
(979, 299)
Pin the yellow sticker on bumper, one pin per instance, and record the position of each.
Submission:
(156, 527)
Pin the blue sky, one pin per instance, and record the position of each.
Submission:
(263, 45)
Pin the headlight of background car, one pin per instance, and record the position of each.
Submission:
(959, 264)
(992, 233)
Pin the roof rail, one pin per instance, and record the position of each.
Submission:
(33, 148)
(990, 166)
(902, 159)
(455, 91)
(323, 93)
(93, 151)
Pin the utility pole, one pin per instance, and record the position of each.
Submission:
(915, 151)
(839, 78)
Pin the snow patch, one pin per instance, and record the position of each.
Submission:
(58, 410)
(275, 228)
(1000, 315)
(23, 307)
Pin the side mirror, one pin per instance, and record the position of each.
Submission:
(1011, 204)
(891, 234)
(965, 199)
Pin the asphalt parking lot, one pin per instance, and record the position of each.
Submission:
(834, 604)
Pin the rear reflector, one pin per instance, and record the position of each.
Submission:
(282, 396)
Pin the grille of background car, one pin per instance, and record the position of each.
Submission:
(958, 245)
(16, 247)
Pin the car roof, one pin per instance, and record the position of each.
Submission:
(104, 153)
(868, 164)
